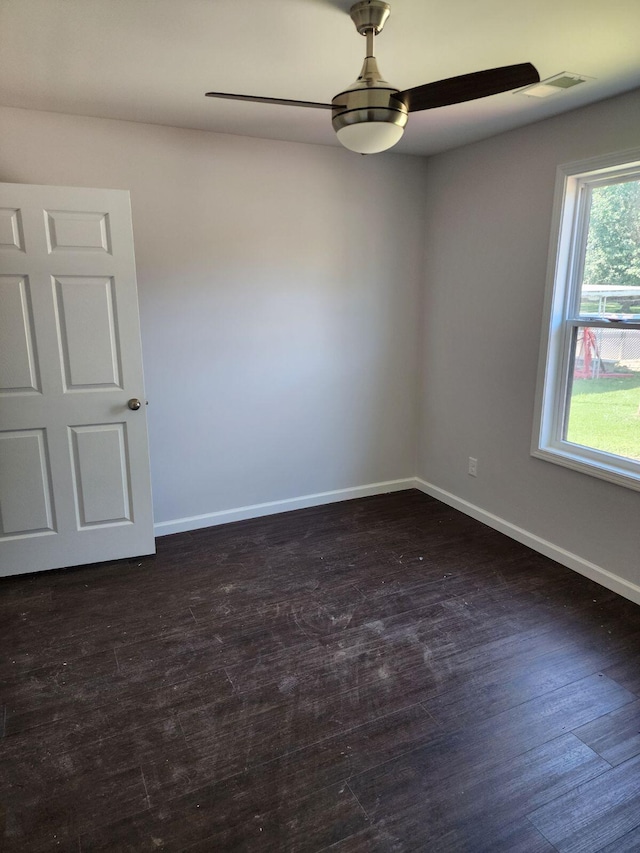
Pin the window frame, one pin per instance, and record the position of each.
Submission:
(569, 230)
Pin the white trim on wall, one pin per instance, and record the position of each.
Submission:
(210, 519)
(572, 561)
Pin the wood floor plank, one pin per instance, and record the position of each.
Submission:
(614, 736)
(629, 843)
(211, 757)
(395, 835)
(369, 840)
(81, 715)
(626, 672)
(53, 808)
(451, 788)
(499, 687)
(595, 814)
(490, 836)
(228, 816)
(541, 719)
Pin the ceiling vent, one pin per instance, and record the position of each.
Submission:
(553, 85)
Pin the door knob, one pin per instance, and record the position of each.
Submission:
(134, 404)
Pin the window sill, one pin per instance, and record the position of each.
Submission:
(606, 467)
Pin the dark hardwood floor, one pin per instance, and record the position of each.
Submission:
(384, 674)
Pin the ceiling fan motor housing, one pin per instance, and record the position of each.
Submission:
(369, 100)
(369, 103)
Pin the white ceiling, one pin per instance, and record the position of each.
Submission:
(153, 60)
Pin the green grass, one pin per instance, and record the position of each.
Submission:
(604, 415)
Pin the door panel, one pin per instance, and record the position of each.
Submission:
(18, 370)
(74, 466)
(69, 230)
(87, 332)
(101, 474)
(11, 229)
(25, 484)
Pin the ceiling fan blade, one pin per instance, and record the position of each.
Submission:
(261, 100)
(468, 87)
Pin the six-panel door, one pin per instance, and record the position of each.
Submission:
(74, 461)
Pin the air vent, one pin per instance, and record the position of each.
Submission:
(553, 85)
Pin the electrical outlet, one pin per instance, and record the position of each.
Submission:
(473, 467)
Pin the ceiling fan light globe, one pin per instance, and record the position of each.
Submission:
(370, 137)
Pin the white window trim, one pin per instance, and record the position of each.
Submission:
(553, 368)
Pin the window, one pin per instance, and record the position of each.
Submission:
(588, 404)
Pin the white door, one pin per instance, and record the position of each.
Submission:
(74, 459)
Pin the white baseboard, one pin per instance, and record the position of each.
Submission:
(194, 522)
(572, 561)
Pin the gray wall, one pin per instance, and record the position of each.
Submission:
(278, 286)
(489, 209)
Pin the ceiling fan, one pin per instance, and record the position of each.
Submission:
(370, 115)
